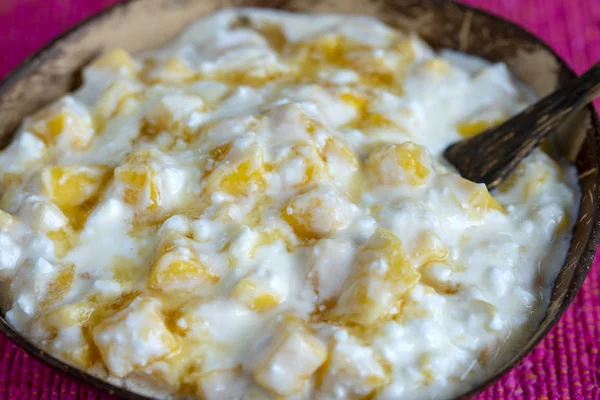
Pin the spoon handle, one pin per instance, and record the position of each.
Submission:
(492, 155)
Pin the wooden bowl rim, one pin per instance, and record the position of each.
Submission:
(586, 260)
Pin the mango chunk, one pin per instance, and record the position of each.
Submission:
(177, 269)
(427, 248)
(382, 274)
(65, 123)
(120, 98)
(59, 286)
(73, 185)
(141, 185)
(116, 61)
(474, 198)
(257, 294)
(301, 166)
(133, 337)
(351, 378)
(172, 114)
(288, 361)
(400, 164)
(171, 71)
(318, 213)
(239, 177)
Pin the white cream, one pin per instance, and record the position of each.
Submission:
(254, 208)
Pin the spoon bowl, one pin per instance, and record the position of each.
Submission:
(492, 155)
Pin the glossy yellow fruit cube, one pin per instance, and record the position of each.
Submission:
(140, 184)
(317, 213)
(382, 274)
(120, 98)
(301, 166)
(350, 378)
(288, 361)
(68, 315)
(177, 269)
(328, 48)
(472, 128)
(116, 61)
(241, 176)
(65, 123)
(171, 115)
(69, 336)
(358, 100)
(171, 71)
(397, 164)
(474, 198)
(256, 294)
(59, 286)
(73, 185)
(133, 337)
(427, 248)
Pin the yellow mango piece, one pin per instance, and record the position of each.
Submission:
(310, 163)
(328, 48)
(117, 61)
(475, 199)
(141, 184)
(357, 100)
(239, 178)
(288, 361)
(428, 248)
(172, 71)
(69, 315)
(74, 189)
(382, 274)
(72, 185)
(64, 239)
(406, 163)
(65, 122)
(120, 98)
(81, 351)
(355, 380)
(178, 270)
(171, 115)
(255, 296)
(59, 287)
(139, 325)
(316, 214)
(472, 128)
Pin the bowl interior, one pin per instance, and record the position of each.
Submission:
(138, 25)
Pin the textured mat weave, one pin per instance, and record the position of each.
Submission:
(566, 365)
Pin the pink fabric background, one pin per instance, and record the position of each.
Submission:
(566, 365)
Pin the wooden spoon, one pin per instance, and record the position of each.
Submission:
(492, 155)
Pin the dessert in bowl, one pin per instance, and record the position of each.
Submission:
(260, 209)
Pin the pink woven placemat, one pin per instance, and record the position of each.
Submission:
(565, 365)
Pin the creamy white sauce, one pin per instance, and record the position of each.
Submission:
(262, 209)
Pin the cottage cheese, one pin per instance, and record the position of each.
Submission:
(261, 209)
